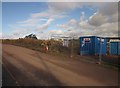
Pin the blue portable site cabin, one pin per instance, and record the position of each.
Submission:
(93, 45)
(115, 48)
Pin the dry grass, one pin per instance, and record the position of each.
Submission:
(39, 45)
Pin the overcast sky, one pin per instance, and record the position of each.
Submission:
(64, 18)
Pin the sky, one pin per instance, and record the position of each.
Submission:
(0, 20)
(46, 19)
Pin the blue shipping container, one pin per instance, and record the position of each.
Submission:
(115, 48)
(91, 45)
(118, 48)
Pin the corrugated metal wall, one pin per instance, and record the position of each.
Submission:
(91, 45)
(119, 48)
(115, 48)
(100, 44)
(86, 45)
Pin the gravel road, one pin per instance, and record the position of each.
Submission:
(32, 68)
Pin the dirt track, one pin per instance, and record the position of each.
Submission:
(29, 67)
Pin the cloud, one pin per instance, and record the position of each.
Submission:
(67, 26)
(85, 25)
(62, 26)
(60, 1)
(83, 16)
(113, 18)
(29, 22)
(107, 13)
(0, 35)
(102, 23)
(72, 22)
(97, 19)
(20, 32)
(50, 13)
(109, 8)
(56, 31)
(45, 25)
(41, 21)
(50, 33)
(37, 18)
(62, 6)
(40, 14)
(107, 29)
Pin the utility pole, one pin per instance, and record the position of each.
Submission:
(72, 47)
(100, 53)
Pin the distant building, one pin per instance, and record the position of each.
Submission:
(65, 42)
